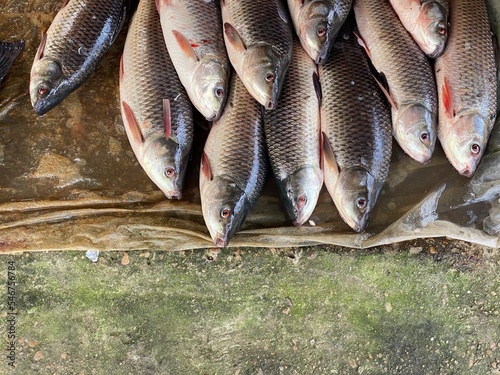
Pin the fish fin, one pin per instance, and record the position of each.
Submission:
(384, 86)
(206, 170)
(362, 43)
(299, 2)
(167, 118)
(186, 47)
(320, 148)
(328, 155)
(282, 13)
(133, 126)
(234, 38)
(121, 68)
(65, 2)
(41, 47)
(317, 88)
(121, 21)
(447, 100)
(160, 3)
(8, 53)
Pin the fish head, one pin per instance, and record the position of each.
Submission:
(316, 30)
(165, 163)
(415, 131)
(225, 206)
(300, 191)
(466, 143)
(356, 192)
(46, 85)
(433, 26)
(210, 86)
(263, 74)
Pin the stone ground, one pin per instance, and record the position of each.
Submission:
(419, 307)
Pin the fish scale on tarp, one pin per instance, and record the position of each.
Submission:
(70, 180)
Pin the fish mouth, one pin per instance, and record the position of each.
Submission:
(466, 172)
(220, 241)
(174, 194)
(270, 105)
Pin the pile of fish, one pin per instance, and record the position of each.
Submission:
(316, 88)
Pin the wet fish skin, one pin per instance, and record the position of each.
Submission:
(317, 23)
(467, 86)
(293, 138)
(193, 34)
(426, 21)
(8, 53)
(76, 41)
(234, 164)
(156, 110)
(356, 128)
(410, 79)
(258, 38)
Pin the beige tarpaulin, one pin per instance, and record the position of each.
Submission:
(69, 179)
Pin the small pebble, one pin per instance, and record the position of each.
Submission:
(388, 307)
(32, 344)
(125, 259)
(38, 356)
(63, 356)
(432, 250)
(92, 255)
(415, 250)
(494, 364)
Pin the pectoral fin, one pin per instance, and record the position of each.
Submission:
(234, 38)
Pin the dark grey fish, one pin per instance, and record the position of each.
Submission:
(70, 51)
(233, 165)
(356, 126)
(8, 53)
(293, 138)
(156, 110)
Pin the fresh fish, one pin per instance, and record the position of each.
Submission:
(193, 34)
(494, 15)
(8, 53)
(467, 86)
(156, 110)
(406, 74)
(69, 52)
(317, 23)
(258, 36)
(356, 128)
(426, 21)
(233, 164)
(293, 138)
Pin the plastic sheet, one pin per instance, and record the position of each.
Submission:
(69, 179)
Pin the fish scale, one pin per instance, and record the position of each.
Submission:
(148, 78)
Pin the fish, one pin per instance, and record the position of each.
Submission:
(156, 111)
(467, 86)
(317, 23)
(8, 53)
(233, 164)
(69, 52)
(258, 36)
(356, 130)
(193, 35)
(293, 138)
(426, 21)
(404, 73)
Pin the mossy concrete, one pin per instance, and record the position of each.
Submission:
(318, 310)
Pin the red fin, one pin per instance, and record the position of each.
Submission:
(167, 118)
(186, 47)
(447, 101)
(133, 126)
(41, 47)
(234, 38)
(317, 88)
(327, 152)
(362, 43)
(121, 68)
(206, 170)
(384, 86)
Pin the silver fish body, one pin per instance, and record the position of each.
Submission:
(293, 138)
(356, 128)
(193, 35)
(411, 83)
(234, 164)
(76, 41)
(317, 23)
(467, 86)
(8, 53)
(426, 21)
(156, 110)
(258, 37)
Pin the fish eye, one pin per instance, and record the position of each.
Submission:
(219, 92)
(302, 200)
(269, 77)
(42, 90)
(361, 203)
(170, 172)
(475, 148)
(441, 28)
(321, 32)
(424, 137)
(225, 213)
